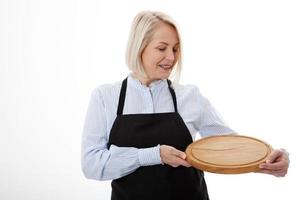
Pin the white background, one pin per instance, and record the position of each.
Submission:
(243, 55)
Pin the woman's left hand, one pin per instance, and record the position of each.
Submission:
(277, 163)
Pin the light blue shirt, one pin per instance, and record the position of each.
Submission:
(100, 163)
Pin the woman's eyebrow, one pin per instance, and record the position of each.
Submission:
(168, 44)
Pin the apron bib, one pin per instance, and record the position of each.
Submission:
(157, 181)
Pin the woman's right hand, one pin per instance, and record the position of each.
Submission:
(173, 157)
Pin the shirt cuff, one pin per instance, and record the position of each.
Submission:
(149, 156)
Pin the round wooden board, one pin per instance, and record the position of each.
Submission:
(228, 154)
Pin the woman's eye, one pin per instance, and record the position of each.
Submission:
(161, 49)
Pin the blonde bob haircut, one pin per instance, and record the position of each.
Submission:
(142, 30)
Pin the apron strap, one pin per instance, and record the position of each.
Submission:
(173, 94)
(122, 97)
(123, 94)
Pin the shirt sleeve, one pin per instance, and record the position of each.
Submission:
(209, 122)
(100, 163)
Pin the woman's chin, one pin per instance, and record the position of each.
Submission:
(165, 76)
(165, 73)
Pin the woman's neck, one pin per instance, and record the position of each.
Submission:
(144, 80)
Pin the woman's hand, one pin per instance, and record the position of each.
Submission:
(171, 156)
(277, 163)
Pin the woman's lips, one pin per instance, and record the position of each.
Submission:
(165, 66)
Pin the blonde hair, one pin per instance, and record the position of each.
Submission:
(141, 33)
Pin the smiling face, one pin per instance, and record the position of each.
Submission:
(161, 54)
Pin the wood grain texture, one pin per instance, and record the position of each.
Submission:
(228, 154)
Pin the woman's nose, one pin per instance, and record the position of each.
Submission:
(170, 55)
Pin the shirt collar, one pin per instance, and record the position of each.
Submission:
(153, 85)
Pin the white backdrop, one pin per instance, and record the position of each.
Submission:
(243, 55)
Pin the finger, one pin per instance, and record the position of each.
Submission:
(280, 174)
(186, 164)
(277, 173)
(274, 166)
(273, 156)
(264, 171)
(179, 161)
(179, 154)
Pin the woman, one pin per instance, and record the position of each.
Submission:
(136, 131)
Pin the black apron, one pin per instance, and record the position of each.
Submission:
(157, 181)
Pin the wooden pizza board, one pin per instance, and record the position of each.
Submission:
(228, 154)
